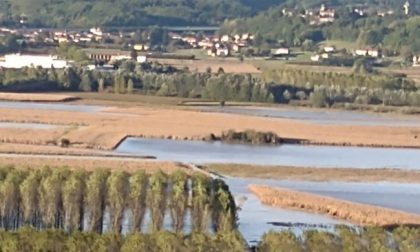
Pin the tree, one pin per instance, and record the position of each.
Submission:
(130, 86)
(137, 198)
(157, 199)
(30, 199)
(73, 200)
(96, 188)
(118, 191)
(178, 200)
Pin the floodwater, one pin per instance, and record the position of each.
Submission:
(200, 152)
(397, 196)
(50, 106)
(16, 125)
(254, 217)
(319, 116)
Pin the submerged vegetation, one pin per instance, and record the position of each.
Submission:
(103, 201)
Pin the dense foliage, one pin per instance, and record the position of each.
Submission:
(81, 13)
(324, 89)
(219, 87)
(30, 240)
(344, 239)
(103, 201)
(394, 33)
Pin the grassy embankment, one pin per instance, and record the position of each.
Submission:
(315, 174)
(359, 214)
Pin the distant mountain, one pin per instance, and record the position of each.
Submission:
(86, 13)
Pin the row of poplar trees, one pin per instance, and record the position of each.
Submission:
(80, 200)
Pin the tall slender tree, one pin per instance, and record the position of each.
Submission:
(73, 200)
(201, 189)
(137, 199)
(30, 199)
(179, 199)
(118, 191)
(96, 199)
(157, 199)
(51, 202)
(10, 199)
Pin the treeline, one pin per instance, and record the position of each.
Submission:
(103, 201)
(323, 89)
(346, 239)
(53, 240)
(143, 79)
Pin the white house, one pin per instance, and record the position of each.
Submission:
(44, 61)
(281, 52)
(329, 49)
(416, 60)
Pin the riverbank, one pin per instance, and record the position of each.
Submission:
(315, 174)
(359, 214)
(106, 128)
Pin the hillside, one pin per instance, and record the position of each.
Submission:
(81, 13)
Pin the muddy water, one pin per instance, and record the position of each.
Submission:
(292, 155)
(319, 116)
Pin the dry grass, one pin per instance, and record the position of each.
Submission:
(316, 174)
(104, 130)
(89, 163)
(36, 97)
(360, 214)
(228, 65)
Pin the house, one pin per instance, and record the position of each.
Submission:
(329, 49)
(96, 31)
(18, 61)
(416, 60)
(280, 52)
(326, 15)
(225, 38)
(141, 47)
(315, 57)
(375, 53)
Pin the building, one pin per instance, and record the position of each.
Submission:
(329, 49)
(416, 60)
(280, 52)
(326, 15)
(406, 7)
(45, 61)
(368, 52)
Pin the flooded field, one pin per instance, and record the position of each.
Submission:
(293, 155)
(397, 196)
(319, 116)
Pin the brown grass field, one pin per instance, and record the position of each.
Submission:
(36, 97)
(359, 214)
(316, 174)
(104, 130)
(201, 65)
(88, 163)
